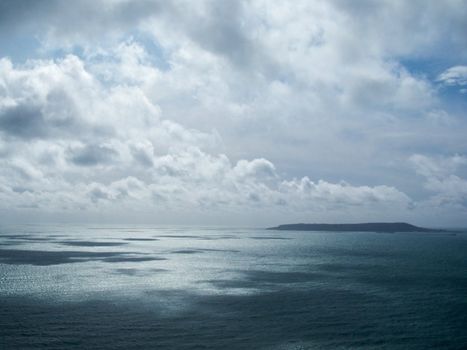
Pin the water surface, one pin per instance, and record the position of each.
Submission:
(148, 287)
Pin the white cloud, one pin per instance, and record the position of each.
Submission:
(454, 76)
(440, 167)
(107, 147)
(448, 189)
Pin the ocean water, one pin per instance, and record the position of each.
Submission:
(149, 287)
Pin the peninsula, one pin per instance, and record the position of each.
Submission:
(364, 227)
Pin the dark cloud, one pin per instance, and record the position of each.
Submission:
(219, 28)
(17, 14)
(221, 31)
(97, 194)
(23, 121)
(35, 121)
(77, 22)
(91, 155)
(142, 157)
(434, 26)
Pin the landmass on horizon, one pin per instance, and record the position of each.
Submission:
(365, 227)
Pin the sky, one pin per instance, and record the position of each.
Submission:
(246, 113)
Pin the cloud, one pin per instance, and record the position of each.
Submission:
(91, 155)
(218, 106)
(448, 188)
(256, 168)
(437, 167)
(455, 76)
(23, 121)
(107, 147)
(80, 23)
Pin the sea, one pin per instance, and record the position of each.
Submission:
(173, 287)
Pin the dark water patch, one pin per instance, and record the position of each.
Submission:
(140, 239)
(11, 243)
(395, 278)
(202, 250)
(37, 239)
(270, 237)
(346, 268)
(138, 272)
(91, 243)
(430, 234)
(219, 250)
(257, 279)
(186, 251)
(14, 236)
(315, 318)
(354, 253)
(25, 237)
(158, 270)
(207, 238)
(128, 272)
(110, 228)
(198, 237)
(132, 259)
(45, 257)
